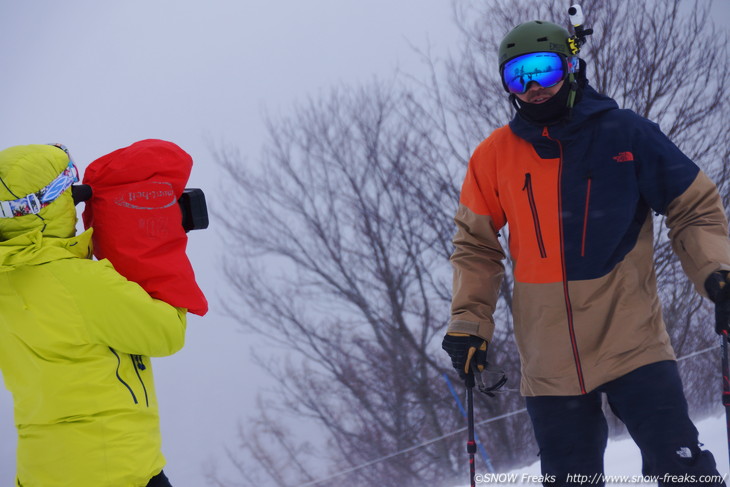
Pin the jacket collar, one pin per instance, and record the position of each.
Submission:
(33, 248)
(591, 105)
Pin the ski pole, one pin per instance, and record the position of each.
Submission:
(480, 446)
(471, 446)
(718, 291)
(726, 386)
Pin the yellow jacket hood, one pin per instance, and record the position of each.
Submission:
(33, 248)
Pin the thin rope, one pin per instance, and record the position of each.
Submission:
(699, 352)
(415, 447)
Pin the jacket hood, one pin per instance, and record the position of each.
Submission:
(33, 248)
(591, 105)
(25, 169)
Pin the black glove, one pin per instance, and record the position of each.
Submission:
(718, 289)
(462, 348)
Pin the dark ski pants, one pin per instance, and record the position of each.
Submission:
(572, 432)
(159, 480)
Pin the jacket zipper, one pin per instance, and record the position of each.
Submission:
(119, 363)
(585, 219)
(139, 365)
(568, 305)
(535, 219)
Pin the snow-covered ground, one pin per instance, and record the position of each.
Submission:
(622, 461)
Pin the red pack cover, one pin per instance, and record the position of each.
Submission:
(138, 223)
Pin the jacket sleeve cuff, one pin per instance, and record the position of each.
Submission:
(482, 329)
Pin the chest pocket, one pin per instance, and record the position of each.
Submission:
(530, 194)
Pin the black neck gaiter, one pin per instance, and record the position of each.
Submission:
(550, 112)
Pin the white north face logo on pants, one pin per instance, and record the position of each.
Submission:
(684, 452)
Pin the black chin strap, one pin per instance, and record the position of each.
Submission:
(573, 92)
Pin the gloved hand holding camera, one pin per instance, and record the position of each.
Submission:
(463, 348)
(718, 289)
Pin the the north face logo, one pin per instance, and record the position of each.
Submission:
(684, 452)
(624, 157)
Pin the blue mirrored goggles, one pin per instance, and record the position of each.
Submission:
(33, 203)
(545, 68)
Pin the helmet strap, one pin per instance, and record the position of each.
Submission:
(573, 91)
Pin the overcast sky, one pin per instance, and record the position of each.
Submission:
(98, 76)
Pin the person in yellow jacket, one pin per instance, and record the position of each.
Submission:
(75, 338)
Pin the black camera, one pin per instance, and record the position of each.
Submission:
(192, 204)
(194, 209)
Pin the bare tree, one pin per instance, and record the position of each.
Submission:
(340, 245)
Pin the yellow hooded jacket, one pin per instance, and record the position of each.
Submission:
(75, 337)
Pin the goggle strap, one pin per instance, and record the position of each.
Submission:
(6, 211)
(33, 203)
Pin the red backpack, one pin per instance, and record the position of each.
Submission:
(137, 220)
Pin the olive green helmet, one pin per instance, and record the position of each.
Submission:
(534, 36)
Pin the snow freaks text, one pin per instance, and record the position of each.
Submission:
(582, 479)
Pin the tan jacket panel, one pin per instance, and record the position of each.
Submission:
(698, 229)
(478, 273)
(617, 321)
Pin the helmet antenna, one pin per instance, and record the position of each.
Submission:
(576, 19)
(574, 43)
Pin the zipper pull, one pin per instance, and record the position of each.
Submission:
(528, 181)
(139, 363)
